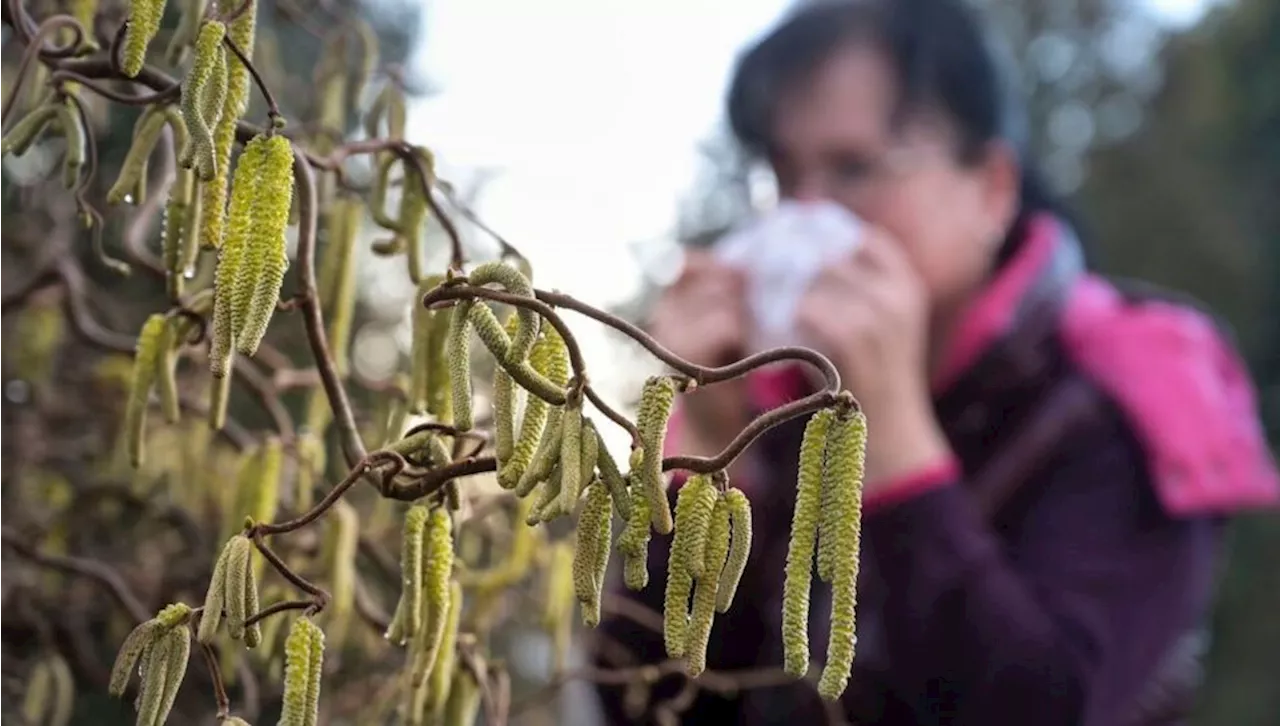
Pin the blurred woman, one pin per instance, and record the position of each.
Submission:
(1051, 459)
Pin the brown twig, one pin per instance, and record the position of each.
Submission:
(215, 675)
(280, 607)
(369, 463)
(93, 569)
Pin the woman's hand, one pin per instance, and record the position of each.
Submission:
(870, 314)
(702, 317)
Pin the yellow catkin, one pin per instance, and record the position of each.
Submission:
(633, 543)
(316, 674)
(232, 295)
(178, 258)
(143, 24)
(296, 707)
(446, 656)
(199, 89)
(438, 563)
(846, 450)
(504, 403)
(591, 557)
(252, 633)
(675, 608)
(739, 550)
(707, 590)
(550, 359)
(63, 691)
(656, 401)
(547, 507)
(39, 693)
(804, 530)
(214, 193)
(144, 370)
(421, 356)
(697, 524)
(413, 210)
(459, 352)
(145, 134)
(571, 481)
(267, 259)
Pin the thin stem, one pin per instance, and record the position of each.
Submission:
(369, 463)
(352, 445)
(48, 27)
(762, 423)
(613, 415)
(302, 583)
(167, 95)
(273, 111)
(280, 607)
(215, 675)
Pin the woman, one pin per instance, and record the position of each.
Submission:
(1050, 460)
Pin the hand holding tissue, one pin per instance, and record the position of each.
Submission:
(780, 254)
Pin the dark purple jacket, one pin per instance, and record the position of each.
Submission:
(1056, 573)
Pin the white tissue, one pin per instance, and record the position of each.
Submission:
(781, 253)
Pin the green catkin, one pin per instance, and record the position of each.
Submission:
(547, 507)
(28, 129)
(143, 24)
(378, 194)
(463, 705)
(443, 668)
(549, 358)
(166, 371)
(635, 572)
(238, 575)
(571, 481)
(411, 554)
(656, 401)
(344, 540)
(233, 721)
(146, 132)
(587, 458)
(459, 351)
(413, 213)
(804, 530)
(252, 633)
(178, 259)
(39, 693)
(184, 35)
(828, 521)
(179, 641)
(490, 332)
(634, 540)
(138, 640)
(73, 132)
(422, 371)
(707, 589)
(296, 708)
(155, 674)
(504, 402)
(698, 523)
(545, 457)
(609, 472)
(219, 397)
(144, 370)
(341, 294)
(739, 550)
(675, 607)
(215, 597)
(592, 546)
(267, 258)
(206, 77)
(516, 283)
(846, 450)
(231, 300)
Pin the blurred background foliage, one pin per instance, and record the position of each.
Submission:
(1168, 142)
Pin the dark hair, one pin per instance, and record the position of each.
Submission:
(944, 64)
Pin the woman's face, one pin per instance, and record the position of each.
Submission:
(834, 140)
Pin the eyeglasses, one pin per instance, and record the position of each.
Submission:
(853, 176)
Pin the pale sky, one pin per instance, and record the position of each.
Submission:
(590, 110)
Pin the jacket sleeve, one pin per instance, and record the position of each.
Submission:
(1062, 616)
